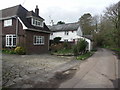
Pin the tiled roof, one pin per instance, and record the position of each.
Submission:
(8, 12)
(88, 37)
(22, 13)
(64, 27)
(31, 13)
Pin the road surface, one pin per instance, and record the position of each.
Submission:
(99, 71)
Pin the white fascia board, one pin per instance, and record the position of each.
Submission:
(8, 17)
(24, 27)
(77, 36)
(38, 30)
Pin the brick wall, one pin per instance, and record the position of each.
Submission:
(33, 49)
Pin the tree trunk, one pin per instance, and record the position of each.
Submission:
(119, 24)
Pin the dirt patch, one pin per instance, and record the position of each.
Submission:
(57, 79)
(53, 82)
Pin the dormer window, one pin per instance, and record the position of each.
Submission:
(36, 22)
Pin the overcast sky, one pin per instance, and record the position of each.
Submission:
(65, 10)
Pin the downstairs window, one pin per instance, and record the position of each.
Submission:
(10, 40)
(38, 40)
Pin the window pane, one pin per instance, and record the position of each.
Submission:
(67, 33)
(43, 40)
(38, 23)
(37, 40)
(14, 41)
(33, 21)
(10, 41)
(34, 39)
(7, 42)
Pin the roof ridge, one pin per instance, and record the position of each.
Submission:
(66, 23)
(12, 7)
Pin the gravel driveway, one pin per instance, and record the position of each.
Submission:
(17, 68)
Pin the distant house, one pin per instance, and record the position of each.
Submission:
(21, 27)
(70, 32)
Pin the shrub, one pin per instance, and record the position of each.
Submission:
(8, 51)
(80, 47)
(56, 47)
(19, 50)
(75, 50)
(57, 40)
(82, 44)
(12, 52)
(66, 45)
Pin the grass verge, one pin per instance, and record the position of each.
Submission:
(85, 56)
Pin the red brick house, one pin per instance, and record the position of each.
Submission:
(21, 27)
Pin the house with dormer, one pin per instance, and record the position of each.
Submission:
(21, 27)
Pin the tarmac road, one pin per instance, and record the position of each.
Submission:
(99, 71)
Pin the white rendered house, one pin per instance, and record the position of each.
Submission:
(70, 32)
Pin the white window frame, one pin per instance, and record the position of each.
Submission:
(66, 32)
(38, 40)
(7, 22)
(10, 43)
(36, 22)
(65, 40)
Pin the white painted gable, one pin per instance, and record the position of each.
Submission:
(79, 31)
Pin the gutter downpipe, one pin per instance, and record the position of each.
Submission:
(16, 30)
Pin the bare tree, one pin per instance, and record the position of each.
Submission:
(111, 13)
(119, 23)
(95, 22)
(109, 26)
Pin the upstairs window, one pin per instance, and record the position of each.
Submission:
(66, 32)
(36, 22)
(51, 33)
(7, 22)
(38, 40)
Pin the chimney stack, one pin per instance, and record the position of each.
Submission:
(37, 10)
